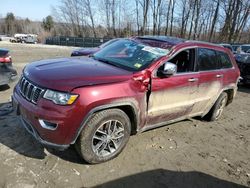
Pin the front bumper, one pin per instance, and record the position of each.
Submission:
(36, 135)
(67, 118)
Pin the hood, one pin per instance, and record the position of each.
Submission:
(84, 51)
(65, 74)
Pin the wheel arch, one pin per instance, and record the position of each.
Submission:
(230, 94)
(128, 107)
(230, 91)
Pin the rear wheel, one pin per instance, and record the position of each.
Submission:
(104, 136)
(216, 111)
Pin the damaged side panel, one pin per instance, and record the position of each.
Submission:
(170, 98)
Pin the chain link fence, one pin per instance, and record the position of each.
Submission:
(76, 41)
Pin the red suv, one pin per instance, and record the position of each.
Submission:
(130, 86)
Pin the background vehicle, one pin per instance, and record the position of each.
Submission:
(129, 86)
(236, 48)
(245, 48)
(24, 38)
(243, 62)
(29, 39)
(90, 51)
(7, 72)
(228, 46)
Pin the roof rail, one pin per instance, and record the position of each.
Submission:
(203, 42)
(168, 39)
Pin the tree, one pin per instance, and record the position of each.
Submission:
(215, 18)
(10, 23)
(48, 23)
(156, 6)
(168, 15)
(145, 6)
(185, 11)
(88, 8)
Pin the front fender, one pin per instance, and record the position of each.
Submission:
(119, 105)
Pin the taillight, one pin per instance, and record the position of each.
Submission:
(5, 59)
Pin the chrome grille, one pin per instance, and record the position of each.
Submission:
(29, 91)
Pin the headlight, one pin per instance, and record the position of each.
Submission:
(59, 97)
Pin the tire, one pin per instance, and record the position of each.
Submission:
(104, 136)
(217, 109)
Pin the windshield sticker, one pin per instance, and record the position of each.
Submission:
(138, 65)
(156, 51)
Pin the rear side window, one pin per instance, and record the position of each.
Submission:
(207, 59)
(224, 60)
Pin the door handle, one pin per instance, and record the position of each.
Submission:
(219, 75)
(193, 79)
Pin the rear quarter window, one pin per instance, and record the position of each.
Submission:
(207, 59)
(224, 60)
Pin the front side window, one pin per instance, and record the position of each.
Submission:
(207, 59)
(184, 61)
(130, 55)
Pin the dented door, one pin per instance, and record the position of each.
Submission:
(170, 98)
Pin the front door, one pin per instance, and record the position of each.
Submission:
(171, 97)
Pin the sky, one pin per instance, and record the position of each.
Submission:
(35, 10)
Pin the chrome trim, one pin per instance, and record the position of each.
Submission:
(27, 92)
(43, 125)
(193, 79)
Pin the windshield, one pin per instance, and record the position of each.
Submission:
(129, 54)
(108, 43)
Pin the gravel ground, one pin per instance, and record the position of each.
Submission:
(191, 153)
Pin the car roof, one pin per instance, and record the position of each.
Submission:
(245, 45)
(225, 44)
(173, 41)
(170, 40)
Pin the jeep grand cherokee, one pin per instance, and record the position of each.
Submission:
(130, 86)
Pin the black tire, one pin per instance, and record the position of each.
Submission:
(85, 144)
(217, 109)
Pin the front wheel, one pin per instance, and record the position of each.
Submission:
(216, 111)
(104, 136)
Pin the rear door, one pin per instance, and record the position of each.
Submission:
(230, 74)
(210, 80)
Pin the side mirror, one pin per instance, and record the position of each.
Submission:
(168, 69)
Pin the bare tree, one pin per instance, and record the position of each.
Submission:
(192, 6)
(88, 8)
(184, 17)
(172, 17)
(155, 5)
(137, 16)
(145, 6)
(168, 15)
(113, 13)
(196, 22)
(215, 18)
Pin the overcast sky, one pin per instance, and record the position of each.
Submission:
(32, 9)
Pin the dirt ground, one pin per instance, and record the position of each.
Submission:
(191, 153)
